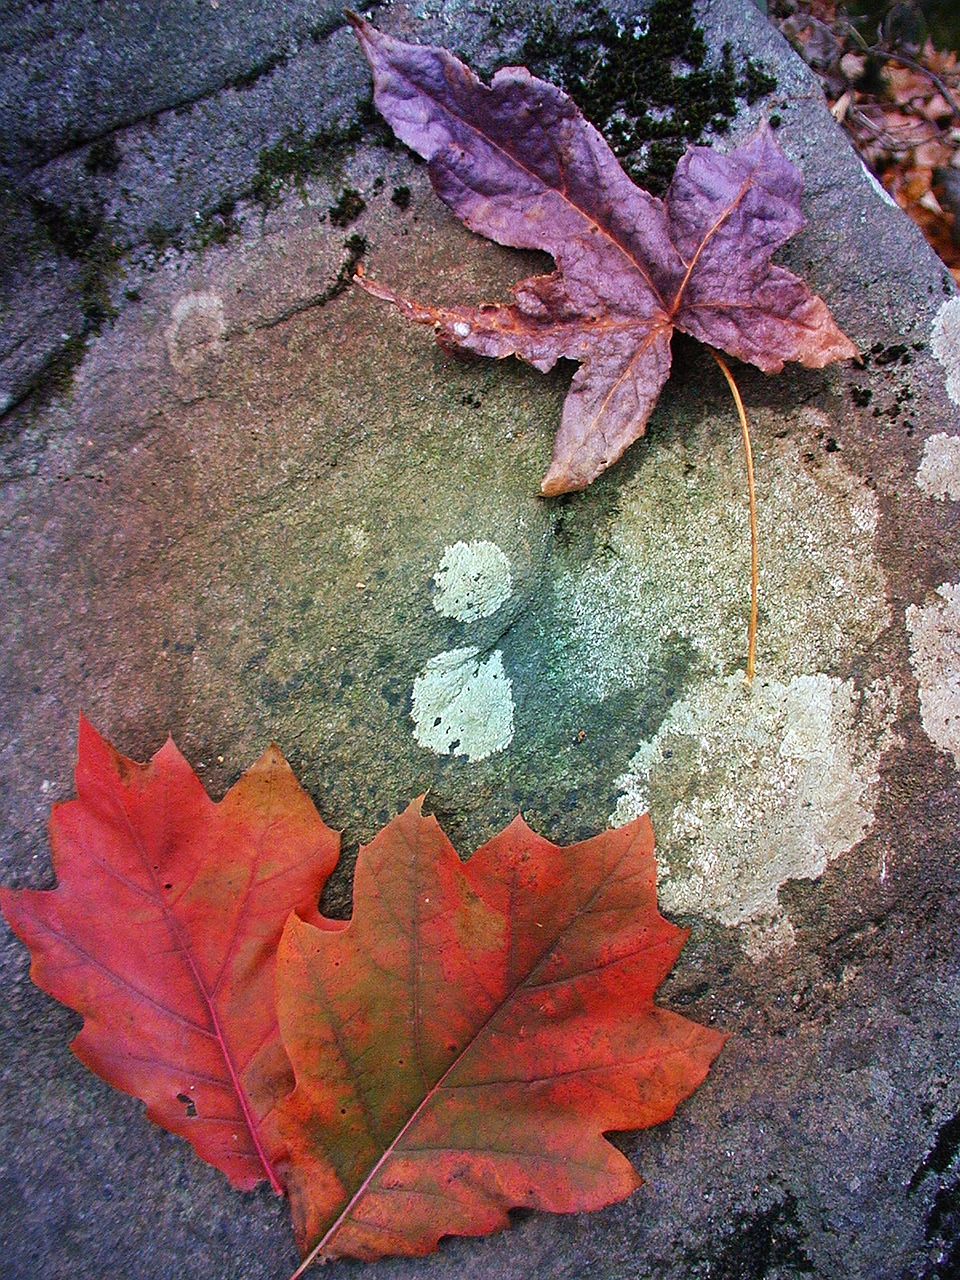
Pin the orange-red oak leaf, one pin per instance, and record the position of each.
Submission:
(462, 1046)
(162, 933)
(518, 163)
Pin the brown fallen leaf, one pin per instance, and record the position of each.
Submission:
(461, 1048)
(898, 99)
(517, 162)
(162, 933)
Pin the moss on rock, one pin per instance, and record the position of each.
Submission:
(644, 82)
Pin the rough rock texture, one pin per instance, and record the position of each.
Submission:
(243, 503)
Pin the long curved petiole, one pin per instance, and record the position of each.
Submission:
(751, 490)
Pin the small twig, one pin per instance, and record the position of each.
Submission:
(887, 137)
(751, 490)
(932, 76)
(878, 51)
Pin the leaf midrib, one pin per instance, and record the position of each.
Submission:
(207, 997)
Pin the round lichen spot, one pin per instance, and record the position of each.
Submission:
(463, 704)
(196, 329)
(472, 582)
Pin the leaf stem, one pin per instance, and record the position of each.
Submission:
(752, 492)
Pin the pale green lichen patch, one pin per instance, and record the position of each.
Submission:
(945, 344)
(473, 581)
(196, 330)
(747, 787)
(750, 786)
(463, 704)
(939, 472)
(934, 631)
(678, 561)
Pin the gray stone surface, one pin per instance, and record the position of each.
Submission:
(235, 521)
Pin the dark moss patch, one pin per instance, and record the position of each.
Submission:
(53, 378)
(348, 208)
(761, 1241)
(297, 156)
(644, 82)
(755, 82)
(217, 225)
(294, 158)
(83, 236)
(70, 231)
(99, 268)
(356, 247)
(104, 156)
(57, 374)
(894, 355)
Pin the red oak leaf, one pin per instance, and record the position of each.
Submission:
(518, 163)
(162, 933)
(462, 1046)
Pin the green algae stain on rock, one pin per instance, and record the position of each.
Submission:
(747, 788)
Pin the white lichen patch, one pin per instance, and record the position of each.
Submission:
(472, 582)
(934, 631)
(749, 787)
(354, 539)
(945, 344)
(196, 329)
(463, 704)
(939, 472)
(676, 566)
